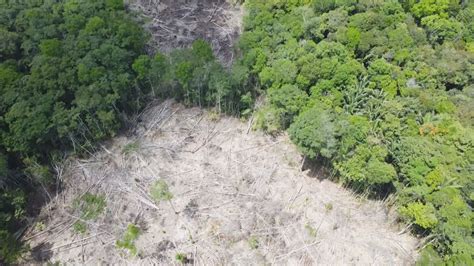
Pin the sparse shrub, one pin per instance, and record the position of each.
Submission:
(130, 148)
(128, 240)
(160, 191)
(40, 226)
(181, 258)
(79, 227)
(328, 207)
(90, 206)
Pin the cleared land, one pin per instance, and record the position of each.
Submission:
(239, 198)
(177, 23)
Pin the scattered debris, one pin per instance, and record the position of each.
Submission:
(177, 23)
(239, 198)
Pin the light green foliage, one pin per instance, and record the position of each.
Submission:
(160, 191)
(289, 99)
(367, 166)
(253, 242)
(128, 239)
(131, 148)
(90, 206)
(380, 72)
(269, 119)
(442, 29)
(426, 8)
(423, 215)
(12, 210)
(311, 230)
(79, 227)
(65, 80)
(315, 132)
(328, 207)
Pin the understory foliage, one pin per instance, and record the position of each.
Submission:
(384, 91)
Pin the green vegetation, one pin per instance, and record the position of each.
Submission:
(89, 207)
(181, 258)
(130, 148)
(79, 227)
(160, 191)
(311, 230)
(66, 79)
(196, 78)
(383, 91)
(328, 207)
(12, 206)
(128, 240)
(253, 242)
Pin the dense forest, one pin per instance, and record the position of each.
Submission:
(382, 92)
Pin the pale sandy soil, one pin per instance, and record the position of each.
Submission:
(241, 199)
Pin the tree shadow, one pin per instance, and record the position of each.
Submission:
(42, 252)
(317, 168)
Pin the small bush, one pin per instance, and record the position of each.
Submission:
(328, 207)
(160, 191)
(130, 148)
(311, 231)
(128, 239)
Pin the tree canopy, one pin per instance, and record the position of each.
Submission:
(382, 90)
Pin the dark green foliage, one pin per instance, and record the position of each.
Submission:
(315, 131)
(66, 79)
(194, 76)
(384, 90)
(160, 191)
(12, 210)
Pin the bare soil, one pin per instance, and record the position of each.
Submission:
(177, 23)
(239, 198)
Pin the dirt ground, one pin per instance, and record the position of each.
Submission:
(240, 198)
(177, 23)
